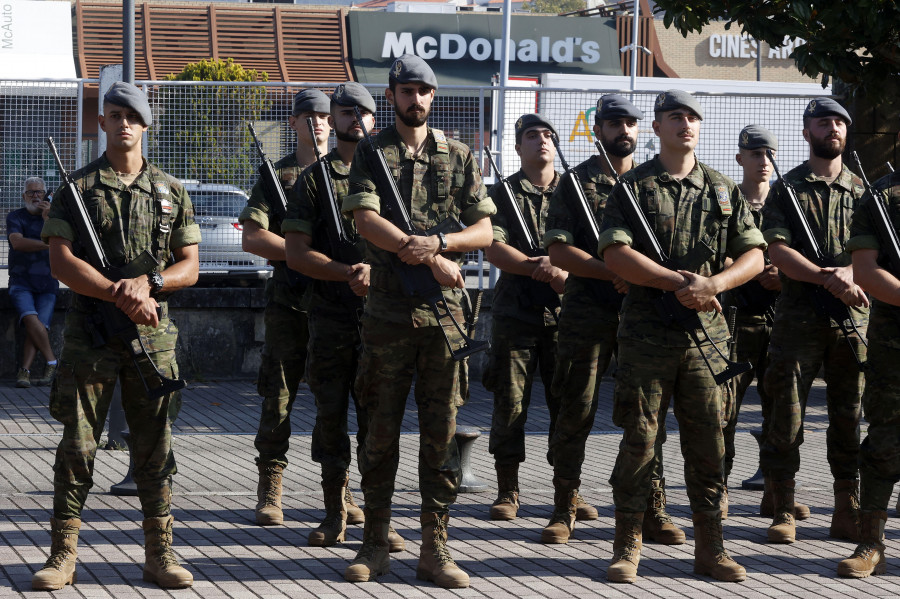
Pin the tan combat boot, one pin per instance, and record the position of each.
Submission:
(160, 565)
(584, 510)
(333, 528)
(869, 555)
(395, 541)
(372, 558)
(435, 563)
(59, 570)
(845, 519)
(657, 523)
(507, 504)
(626, 548)
(355, 514)
(268, 494)
(767, 506)
(565, 502)
(783, 528)
(710, 557)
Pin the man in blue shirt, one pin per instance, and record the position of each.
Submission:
(32, 289)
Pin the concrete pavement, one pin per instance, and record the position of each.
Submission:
(232, 557)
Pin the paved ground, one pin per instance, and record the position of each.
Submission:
(231, 557)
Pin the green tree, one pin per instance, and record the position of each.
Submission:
(203, 128)
(857, 42)
(553, 6)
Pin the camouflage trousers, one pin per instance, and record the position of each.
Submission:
(797, 352)
(392, 354)
(753, 347)
(80, 398)
(585, 349)
(879, 454)
(282, 367)
(518, 350)
(331, 371)
(647, 377)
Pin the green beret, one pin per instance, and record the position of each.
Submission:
(614, 106)
(352, 93)
(826, 107)
(754, 136)
(311, 100)
(128, 96)
(674, 99)
(410, 67)
(527, 121)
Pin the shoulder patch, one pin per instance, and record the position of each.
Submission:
(161, 188)
(441, 140)
(724, 201)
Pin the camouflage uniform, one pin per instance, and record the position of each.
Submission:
(333, 331)
(587, 329)
(154, 213)
(658, 360)
(400, 334)
(803, 341)
(523, 339)
(287, 334)
(751, 333)
(879, 467)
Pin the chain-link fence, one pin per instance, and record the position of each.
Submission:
(200, 135)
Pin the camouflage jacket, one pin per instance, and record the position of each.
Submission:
(512, 292)
(705, 207)
(584, 298)
(154, 213)
(304, 215)
(829, 210)
(884, 320)
(442, 181)
(260, 211)
(751, 298)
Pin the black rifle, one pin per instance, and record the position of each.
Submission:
(667, 305)
(753, 298)
(417, 279)
(824, 302)
(340, 246)
(274, 193)
(109, 322)
(588, 231)
(538, 293)
(884, 230)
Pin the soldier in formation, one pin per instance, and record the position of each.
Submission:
(525, 310)
(287, 333)
(699, 218)
(401, 335)
(804, 338)
(135, 207)
(333, 350)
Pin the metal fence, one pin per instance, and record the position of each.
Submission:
(200, 135)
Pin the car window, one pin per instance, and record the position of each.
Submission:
(217, 203)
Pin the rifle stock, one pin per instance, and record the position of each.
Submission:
(824, 302)
(540, 294)
(108, 321)
(417, 280)
(667, 305)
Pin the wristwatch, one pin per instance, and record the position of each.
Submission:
(443, 239)
(156, 282)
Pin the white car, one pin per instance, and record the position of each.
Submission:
(216, 211)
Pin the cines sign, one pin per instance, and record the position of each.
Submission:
(465, 49)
